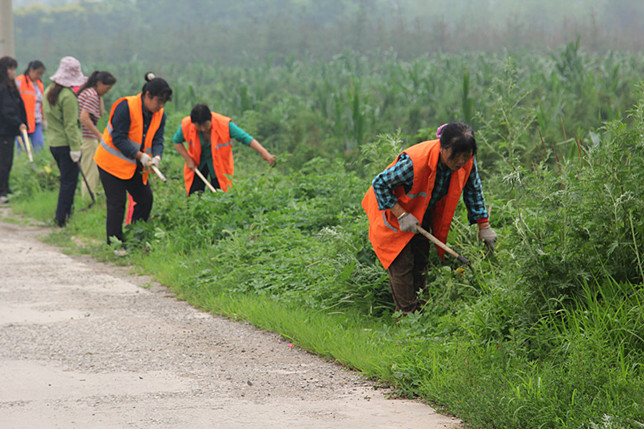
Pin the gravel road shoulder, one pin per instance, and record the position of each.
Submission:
(86, 344)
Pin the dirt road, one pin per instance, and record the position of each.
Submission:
(88, 345)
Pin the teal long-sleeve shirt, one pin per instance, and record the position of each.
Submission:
(206, 158)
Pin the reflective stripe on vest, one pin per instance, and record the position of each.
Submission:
(220, 145)
(114, 151)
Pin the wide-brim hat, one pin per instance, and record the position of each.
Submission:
(69, 73)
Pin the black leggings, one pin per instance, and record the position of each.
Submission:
(6, 161)
(68, 182)
(115, 196)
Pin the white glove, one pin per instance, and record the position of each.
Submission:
(408, 223)
(146, 160)
(75, 155)
(156, 161)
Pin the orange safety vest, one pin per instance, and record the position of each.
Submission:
(28, 94)
(220, 148)
(112, 160)
(384, 233)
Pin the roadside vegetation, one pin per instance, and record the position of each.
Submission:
(548, 332)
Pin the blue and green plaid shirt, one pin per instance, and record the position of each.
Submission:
(402, 173)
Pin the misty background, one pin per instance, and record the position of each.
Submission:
(243, 32)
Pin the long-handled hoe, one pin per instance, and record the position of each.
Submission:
(91, 194)
(201, 176)
(443, 246)
(27, 144)
(158, 173)
(22, 143)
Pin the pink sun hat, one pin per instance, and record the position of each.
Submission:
(69, 73)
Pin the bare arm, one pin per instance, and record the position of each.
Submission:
(397, 210)
(87, 123)
(190, 163)
(266, 155)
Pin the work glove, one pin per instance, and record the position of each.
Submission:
(408, 223)
(75, 155)
(146, 160)
(488, 236)
(156, 161)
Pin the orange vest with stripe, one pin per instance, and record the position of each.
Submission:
(220, 147)
(112, 160)
(384, 233)
(28, 94)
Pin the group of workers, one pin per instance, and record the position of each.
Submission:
(122, 155)
(420, 189)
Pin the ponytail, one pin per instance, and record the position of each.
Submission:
(157, 87)
(97, 76)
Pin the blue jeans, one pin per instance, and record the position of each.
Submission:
(37, 139)
(68, 182)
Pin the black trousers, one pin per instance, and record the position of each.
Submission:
(116, 195)
(408, 274)
(68, 182)
(199, 186)
(6, 162)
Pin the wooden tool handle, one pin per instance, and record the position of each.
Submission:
(442, 245)
(201, 176)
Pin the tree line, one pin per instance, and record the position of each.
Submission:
(246, 31)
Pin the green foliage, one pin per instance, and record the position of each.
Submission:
(547, 332)
(581, 223)
(509, 120)
(521, 113)
(25, 181)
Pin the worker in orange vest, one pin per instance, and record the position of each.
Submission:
(423, 187)
(132, 143)
(31, 90)
(209, 136)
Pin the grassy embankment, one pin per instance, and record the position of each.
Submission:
(548, 332)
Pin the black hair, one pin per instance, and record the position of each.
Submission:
(7, 63)
(33, 65)
(459, 137)
(200, 114)
(157, 87)
(105, 77)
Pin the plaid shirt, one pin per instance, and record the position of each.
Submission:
(402, 173)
